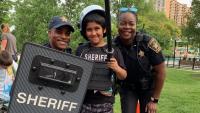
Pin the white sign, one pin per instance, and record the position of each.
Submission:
(45, 102)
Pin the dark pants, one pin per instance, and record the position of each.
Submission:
(97, 108)
(129, 99)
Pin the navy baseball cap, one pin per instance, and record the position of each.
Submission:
(58, 21)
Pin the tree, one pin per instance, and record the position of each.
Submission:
(192, 29)
(36, 14)
(32, 16)
(31, 20)
(72, 9)
(5, 6)
(155, 23)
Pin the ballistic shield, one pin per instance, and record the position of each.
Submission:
(49, 81)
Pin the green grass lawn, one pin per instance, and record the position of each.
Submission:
(181, 93)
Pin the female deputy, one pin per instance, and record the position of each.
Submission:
(141, 54)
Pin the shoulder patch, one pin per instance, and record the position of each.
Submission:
(154, 45)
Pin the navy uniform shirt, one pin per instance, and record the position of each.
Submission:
(139, 58)
(67, 50)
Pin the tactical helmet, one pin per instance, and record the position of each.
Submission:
(90, 9)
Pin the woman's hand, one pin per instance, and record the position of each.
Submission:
(151, 107)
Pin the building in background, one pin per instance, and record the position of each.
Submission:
(174, 10)
(160, 5)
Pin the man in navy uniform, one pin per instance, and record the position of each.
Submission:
(59, 32)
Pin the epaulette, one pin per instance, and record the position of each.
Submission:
(146, 38)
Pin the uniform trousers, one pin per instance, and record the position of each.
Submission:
(129, 99)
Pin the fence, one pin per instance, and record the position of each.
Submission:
(181, 62)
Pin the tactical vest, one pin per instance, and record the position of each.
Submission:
(139, 69)
(101, 78)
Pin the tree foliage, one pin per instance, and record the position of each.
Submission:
(72, 9)
(31, 20)
(32, 16)
(155, 23)
(192, 30)
(5, 6)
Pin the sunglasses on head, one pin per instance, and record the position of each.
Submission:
(127, 9)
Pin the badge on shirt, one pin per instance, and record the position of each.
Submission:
(64, 19)
(154, 45)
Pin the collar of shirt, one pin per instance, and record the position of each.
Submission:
(67, 50)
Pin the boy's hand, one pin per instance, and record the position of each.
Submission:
(120, 72)
(113, 64)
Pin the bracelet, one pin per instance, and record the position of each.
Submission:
(154, 100)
